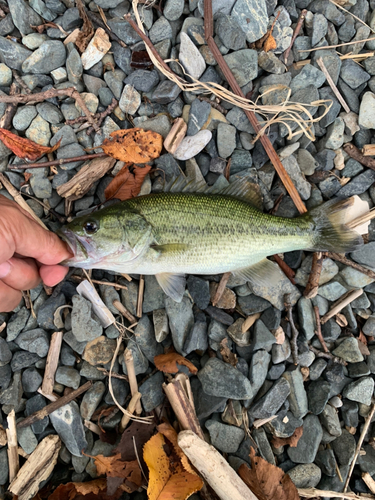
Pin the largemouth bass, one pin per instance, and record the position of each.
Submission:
(176, 233)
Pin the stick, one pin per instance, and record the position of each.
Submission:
(319, 329)
(295, 333)
(332, 84)
(19, 199)
(214, 104)
(312, 286)
(52, 362)
(221, 288)
(354, 265)
(369, 481)
(261, 421)
(40, 414)
(101, 24)
(327, 355)
(61, 161)
(20, 82)
(355, 153)
(113, 374)
(337, 308)
(98, 282)
(295, 34)
(289, 273)
(338, 45)
(368, 150)
(134, 403)
(314, 493)
(13, 459)
(129, 362)
(214, 468)
(359, 444)
(140, 296)
(122, 309)
(6, 120)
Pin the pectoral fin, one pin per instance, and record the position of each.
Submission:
(173, 285)
(263, 273)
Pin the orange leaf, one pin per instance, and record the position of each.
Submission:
(167, 363)
(24, 148)
(292, 440)
(168, 431)
(158, 465)
(133, 145)
(269, 44)
(181, 486)
(115, 467)
(127, 184)
(91, 490)
(267, 481)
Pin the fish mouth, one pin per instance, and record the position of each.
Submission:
(78, 246)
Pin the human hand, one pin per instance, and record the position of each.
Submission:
(28, 254)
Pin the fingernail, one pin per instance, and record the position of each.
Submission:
(4, 269)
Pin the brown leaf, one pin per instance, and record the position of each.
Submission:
(228, 356)
(24, 148)
(127, 184)
(167, 363)
(133, 145)
(292, 440)
(116, 468)
(91, 490)
(168, 431)
(269, 44)
(134, 436)
(267, 481)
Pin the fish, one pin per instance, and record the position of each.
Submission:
(193, 229)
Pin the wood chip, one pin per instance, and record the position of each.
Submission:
(175, 136)
(13, 459)
(96, 49)
(52, 362)
(37, 468)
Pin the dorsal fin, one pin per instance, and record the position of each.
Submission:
(241, 188)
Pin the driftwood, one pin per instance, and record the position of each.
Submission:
(214, 468)
(37, 468)
(52, 362)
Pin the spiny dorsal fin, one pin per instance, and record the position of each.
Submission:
(241, 188)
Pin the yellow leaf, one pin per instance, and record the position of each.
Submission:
(158, 466)
(181, 486)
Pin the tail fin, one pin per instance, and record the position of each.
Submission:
(331, 233)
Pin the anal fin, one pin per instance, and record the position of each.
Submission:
(264, 273)
(173, 285)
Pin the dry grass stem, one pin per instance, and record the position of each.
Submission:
(314, 494)
(141, 290)
(98, 282)
(129, 362)
(351, 14)
(338, 45)
(261, 421)
(122, 309)
(358, 221)
(332, 84)
(134, 402)
(52, 362)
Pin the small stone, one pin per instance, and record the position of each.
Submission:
(226, 139)
(366, 111)
(173, 9)
(5, 75)
(49, 56)
(270, 403)
(4, 467)
(360, 391)
(91, 400)
(36, 341)
(229, 32)
(198, 116)
(152, 392)
(307, 446)
(153, 297)
(68, 376)
(297, 397)
(352, 74)
(145, 338)
(142, 80)
(344, 447)
(262, 338)
(67, 423)
(27, 439)
(225, 438)
(159, 124)
(252, 18)
(34, 404)
(59, 75)
(99, 351)
(223, 380)
(39, 131)
(23, 117)
(140, 361)
(84, 327)
(243, 64)
(330, 419)
(5, 353)
(49, 112)
(17, 323)
(270, 63)
(161, 30)
(281, 352)
(199, 291)
(293, 169)
(318, 394)
(31, 380)
(237, 335)
(191, 146)
(309, 75)
(348, 350)
(332, 291)
(258, 369)
(23, 16)
(325, 459)
(181, 320)
(190, 57)
(13, 54)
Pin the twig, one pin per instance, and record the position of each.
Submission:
(20, 82)
(369, 481)
(129, 363)
(295, 333)
(314, 493)
(319, 329)
(327, 355)
(61, 161)
(13, 459)
(355, 153)
(3, 326)
(312, 286)
(332, 84)
(140, 296)
(348, 298)
(214, 104)
(122, 309)
(359, 444)
(132, 407)
(288, 271)
(99, 117)
(273, 156)
(261, 421)
(338, 45)
(98, 282)
(221, 288)
(113, 374)
(52, 362)
(40, 414)
(354, 265)
(19, 199)
(295, 34)
(95, 19)
(10, 111)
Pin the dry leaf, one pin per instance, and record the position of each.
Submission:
(87, 30)
(267, 481)
(133, 145)
(117, 470)
(24, 148)
(269, 44)
(167, 478)
(228, 356)
(168, 431)
(91, 490)
(292, 440)
(167, 363)
(362, 337)
(127, 184)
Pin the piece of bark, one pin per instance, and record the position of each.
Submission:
(214, 468)
(312, 286)
(87, 291)
(96, 49)
(52, 362)
(355, 153)
(175, 136)
(81, 183)
(13, 459)
(368, 150)
(37, 468)
(3, 436)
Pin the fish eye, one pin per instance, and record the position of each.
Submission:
(90, 227)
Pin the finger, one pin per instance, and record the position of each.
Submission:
(51, 275)
(9, 298)
(23, 274)
(19, 234)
